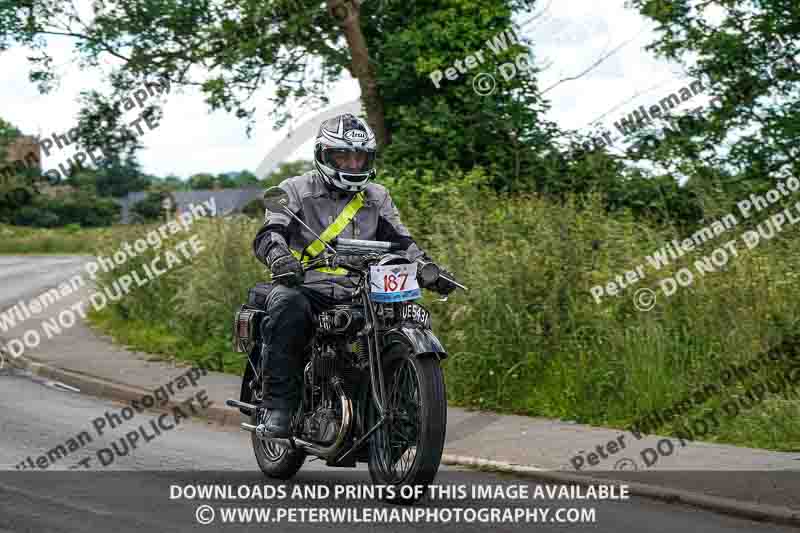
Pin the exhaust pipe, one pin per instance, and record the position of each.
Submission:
(325, 452)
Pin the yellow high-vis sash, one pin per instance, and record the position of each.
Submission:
(330, 233)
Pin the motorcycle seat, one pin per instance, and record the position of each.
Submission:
(257, 295)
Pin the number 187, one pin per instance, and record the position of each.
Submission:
(390, 282)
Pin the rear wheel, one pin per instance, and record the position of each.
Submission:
(407, 450)
(276, 460)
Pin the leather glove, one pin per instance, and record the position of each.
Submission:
(357, 261)
(282, 263)
(442, 286)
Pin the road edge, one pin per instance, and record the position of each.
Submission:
(105, 388)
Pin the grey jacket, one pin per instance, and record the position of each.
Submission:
(318, 206)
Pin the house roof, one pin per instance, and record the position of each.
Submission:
(227, 201)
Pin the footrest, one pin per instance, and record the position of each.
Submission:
(247, 408)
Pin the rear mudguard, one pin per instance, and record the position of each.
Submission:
(422, 341)
(246, 394)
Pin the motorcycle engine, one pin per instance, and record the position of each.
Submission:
(341, 320)
(322, 426)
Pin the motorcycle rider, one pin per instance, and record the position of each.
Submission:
(337, 198)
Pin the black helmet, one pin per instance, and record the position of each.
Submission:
(345, 134)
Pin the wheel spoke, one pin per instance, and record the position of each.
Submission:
(394, 394)
(397, 440)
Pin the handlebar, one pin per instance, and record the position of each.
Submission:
(350, 247)
(343, 246)
(358, 246)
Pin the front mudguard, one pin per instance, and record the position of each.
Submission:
(422, 341)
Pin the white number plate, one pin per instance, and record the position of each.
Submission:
(416, 313)
(394, 283)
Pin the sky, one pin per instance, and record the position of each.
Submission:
(191, 138)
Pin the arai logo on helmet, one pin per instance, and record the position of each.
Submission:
(355, 135)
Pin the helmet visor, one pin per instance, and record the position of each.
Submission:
(349, 160)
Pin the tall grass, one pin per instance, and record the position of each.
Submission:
(528, 337)
(71, 239)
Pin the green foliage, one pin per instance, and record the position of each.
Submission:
(528, 337)
(71, 239)
(201, 181)
(169, 183)
(254, 209)
(452, 127)
(117, 179)
(286, 170)
(225, 51)
(244, 178)
(13, 198)
(81, 208)
(37, 217)
(484, 185)
(150, 209)
(187, 312)
(104, 131)
(748, 58)
(8, 133)
(227, 180)
(18, 183)
(228, 49)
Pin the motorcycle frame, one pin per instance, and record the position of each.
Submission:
(370, 332)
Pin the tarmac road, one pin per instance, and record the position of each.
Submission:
(133, 492)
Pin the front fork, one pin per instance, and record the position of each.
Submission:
(375, 363)
(370, 332)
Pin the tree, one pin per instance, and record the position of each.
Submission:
(287, 170)
(254, 208)
(245, 178)
(80, 207)
(83, 179)
(442, 124)
(8, 134)
(173, 183)
(230, 50)
(19, 182)
(202, 181)
(169, 183)
(12, 200)
(118, 179)
(227, 49)
(151, 208)
(235, 180)
(747, 58)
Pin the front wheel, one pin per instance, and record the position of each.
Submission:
(407, 450)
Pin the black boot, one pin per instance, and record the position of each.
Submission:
(284, 335)
(276, 421)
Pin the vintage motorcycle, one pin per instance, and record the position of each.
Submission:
(373, 389)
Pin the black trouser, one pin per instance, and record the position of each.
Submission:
(292, 318)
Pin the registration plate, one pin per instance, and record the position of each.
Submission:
(394, 283)
(415, 313)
